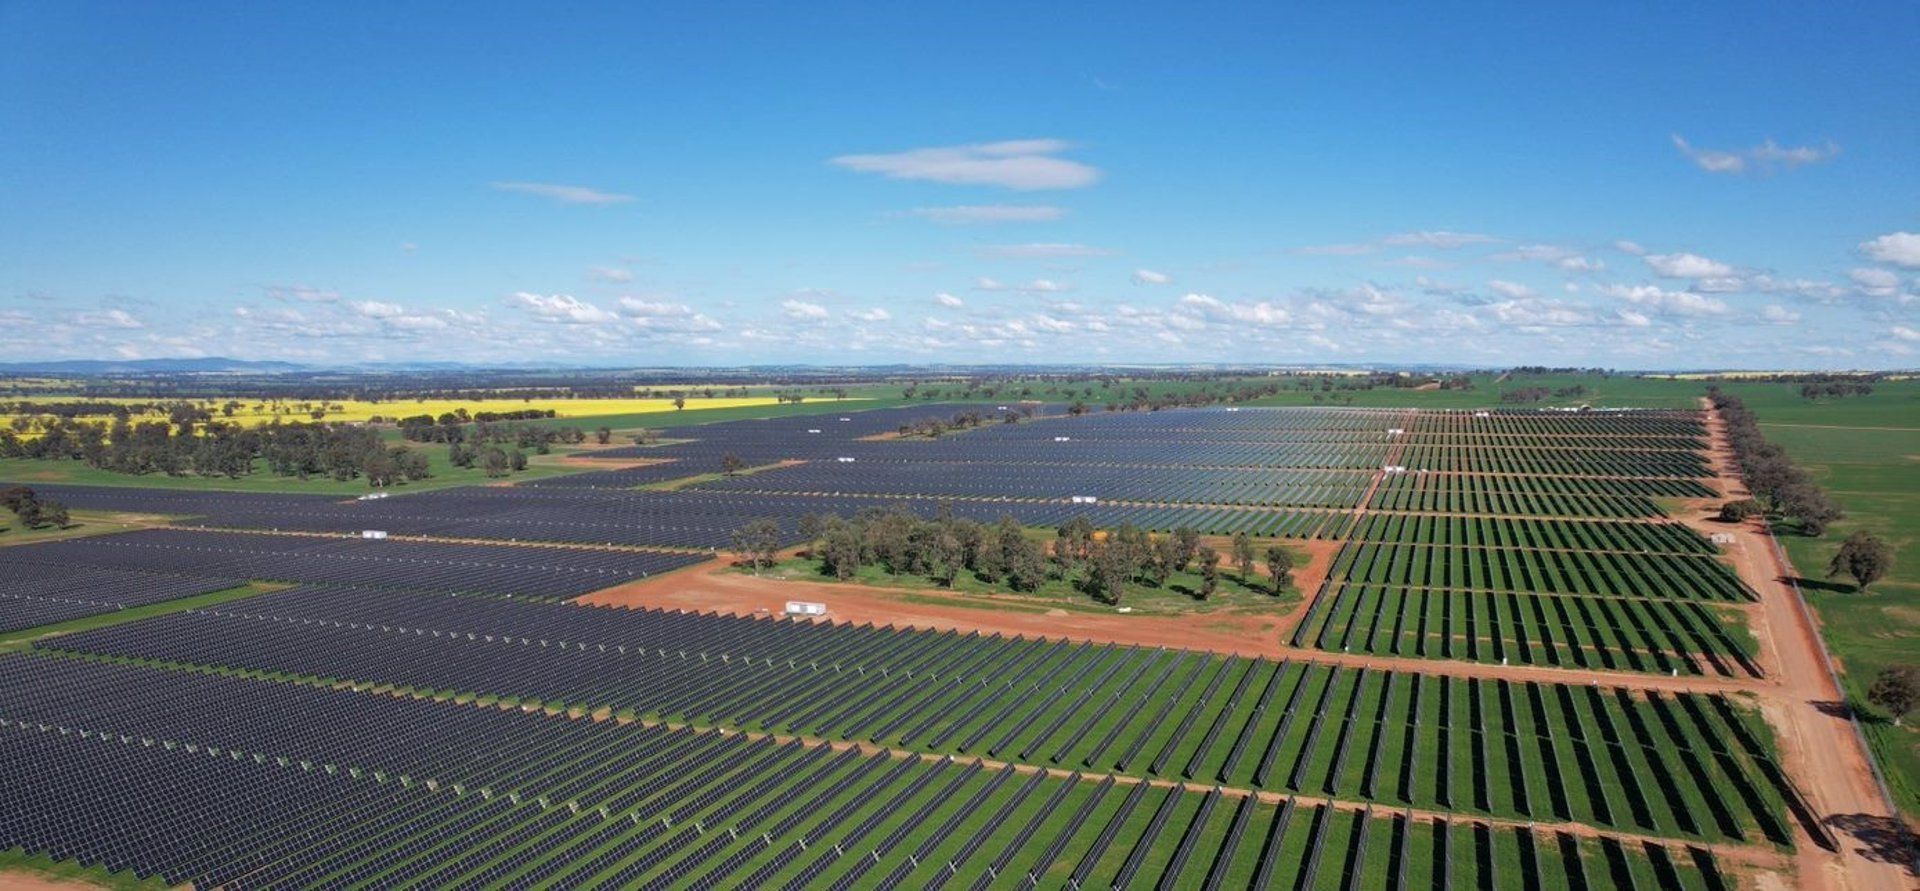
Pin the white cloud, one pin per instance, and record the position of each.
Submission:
(1902, 332)
(408, 247)
(1898, 248)
(1020, 164)
(563, 194)
(1673, 303)
(1150, 277)
(990, 213)
(374, 309)
(876, 314)
(1042, 251)
(1684, 265)
(1511, 290)
(1778, 315)
(1630, 247)
(983, 283)
(803, 310)
(1261, 313)
(1044, 286)
(1875, 282)
(561, 308)
(109, 318)
(610, 274)
(302, 293)
(1765, 157)
(1442, 240)
(948, 300)
(641, 306)
(1633, 319)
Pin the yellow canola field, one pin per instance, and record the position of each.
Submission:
(261, 412)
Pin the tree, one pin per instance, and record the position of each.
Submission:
(1243, 555)
(679, 402)
(757, 543)
(496, 462)
(53, 513)
(811, 527)
(1186, 545)
(1109, 573)
(603, 435)
(1739, 510)
(1279, 568)
(731, 464)
(840, 550)
(1863, 556)
(1209, 572)
(1896, 689)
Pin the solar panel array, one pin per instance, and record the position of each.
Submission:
(440, 717)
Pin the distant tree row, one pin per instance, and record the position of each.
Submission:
(1778, 485)
(1836, 389)
(1524, 395)
(934, 428)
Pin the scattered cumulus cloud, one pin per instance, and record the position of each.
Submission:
(302, 293)
(109, 318)
(1440, 240)
(803, 310)
(987, 283)
(1018, 164)
(1511, 290)
(1875, 282)
(1766, 157)
(1150, 277)
(1897, 248)
(948, 300)
(612, 275)
(1778, 315)
(876, 314)
(1665, 302)
(1684, 265)
(562, 193)
(562, 308)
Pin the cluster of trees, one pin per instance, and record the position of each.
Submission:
(1778, 486)
(537, 437)
(31, 510)
(1523, 395)
(1836, 389)
(934, 428)
(1104, 564)
(218, 448)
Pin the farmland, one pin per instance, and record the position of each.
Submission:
(1514, 658)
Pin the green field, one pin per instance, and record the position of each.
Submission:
(1873, 471)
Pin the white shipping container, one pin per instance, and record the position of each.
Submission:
(373, 533)
(805, 608)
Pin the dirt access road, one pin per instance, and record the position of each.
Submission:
(1818, 746)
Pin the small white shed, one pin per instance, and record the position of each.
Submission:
(373, 533)
(805, 608)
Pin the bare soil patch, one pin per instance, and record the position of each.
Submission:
(717, 588)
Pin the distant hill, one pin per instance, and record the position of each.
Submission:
(209, 365)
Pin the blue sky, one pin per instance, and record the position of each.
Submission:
(719, 183)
